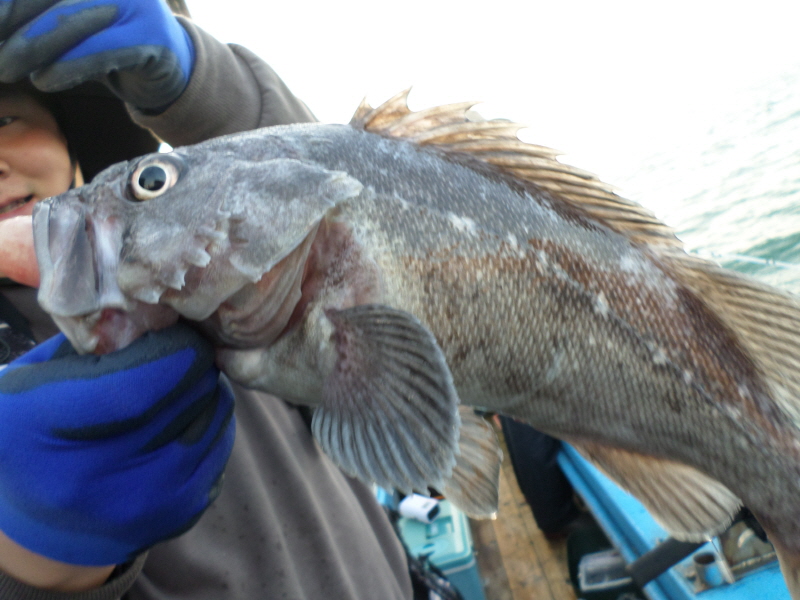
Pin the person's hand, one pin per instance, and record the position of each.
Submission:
(136, 47)
(103, 456)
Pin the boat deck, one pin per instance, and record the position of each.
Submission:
(516, 561)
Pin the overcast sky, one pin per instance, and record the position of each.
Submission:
(607, 82)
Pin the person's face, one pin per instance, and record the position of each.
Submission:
(34, 164)
(34, 160)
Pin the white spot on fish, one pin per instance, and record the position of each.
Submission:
(555, 368)
(734, 412)
(630, 263)
(542, 261)
(687, 377)
(659, 356)
(639, 272)
(463, 224)
(514, 246)
(601, 305)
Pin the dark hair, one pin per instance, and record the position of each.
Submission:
(97, 125)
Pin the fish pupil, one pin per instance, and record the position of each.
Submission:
(153, 178)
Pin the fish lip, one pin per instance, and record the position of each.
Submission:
(77, 260)
(111, 328)
(86, 333)
(78, 331)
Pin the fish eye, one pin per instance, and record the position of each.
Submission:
(152, 179)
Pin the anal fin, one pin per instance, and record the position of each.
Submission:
(690, 505)
(389, 411)
(474, 485)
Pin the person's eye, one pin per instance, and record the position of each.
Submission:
(7, 121)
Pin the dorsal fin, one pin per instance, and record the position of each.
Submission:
(449, 129)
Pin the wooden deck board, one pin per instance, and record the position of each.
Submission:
(516, 561)
(490, 562)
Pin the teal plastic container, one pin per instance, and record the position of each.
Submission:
(448, 543)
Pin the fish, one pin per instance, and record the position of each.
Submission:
(397, 272)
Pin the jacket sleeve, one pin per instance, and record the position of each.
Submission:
(230, 90)
(113, 589)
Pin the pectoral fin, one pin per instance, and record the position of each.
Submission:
(474, 485)
(389, 411)
(690, 505)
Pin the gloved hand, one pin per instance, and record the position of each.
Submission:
(136, 47)
(103, 456)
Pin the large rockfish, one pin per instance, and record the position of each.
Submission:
(387, 270)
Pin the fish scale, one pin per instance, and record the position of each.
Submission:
(615, 416)
(457, 282)
(396, 271)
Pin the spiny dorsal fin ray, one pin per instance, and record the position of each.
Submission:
(764, 319)
(504, 146)
(425, 120)
(447, 128)
(373, 119)
(466, 131)
(688, 504)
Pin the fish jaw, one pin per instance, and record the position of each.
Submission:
(78, 259)
(108, 277)
(111, 329)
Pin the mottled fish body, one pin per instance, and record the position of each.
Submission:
(387, 271)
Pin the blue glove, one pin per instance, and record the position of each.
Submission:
(135, 47)
(103, 456)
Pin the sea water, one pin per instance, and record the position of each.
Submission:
(731, 190)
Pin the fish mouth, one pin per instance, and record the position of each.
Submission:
(78, 260)
(110, 329)
(15, 204)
